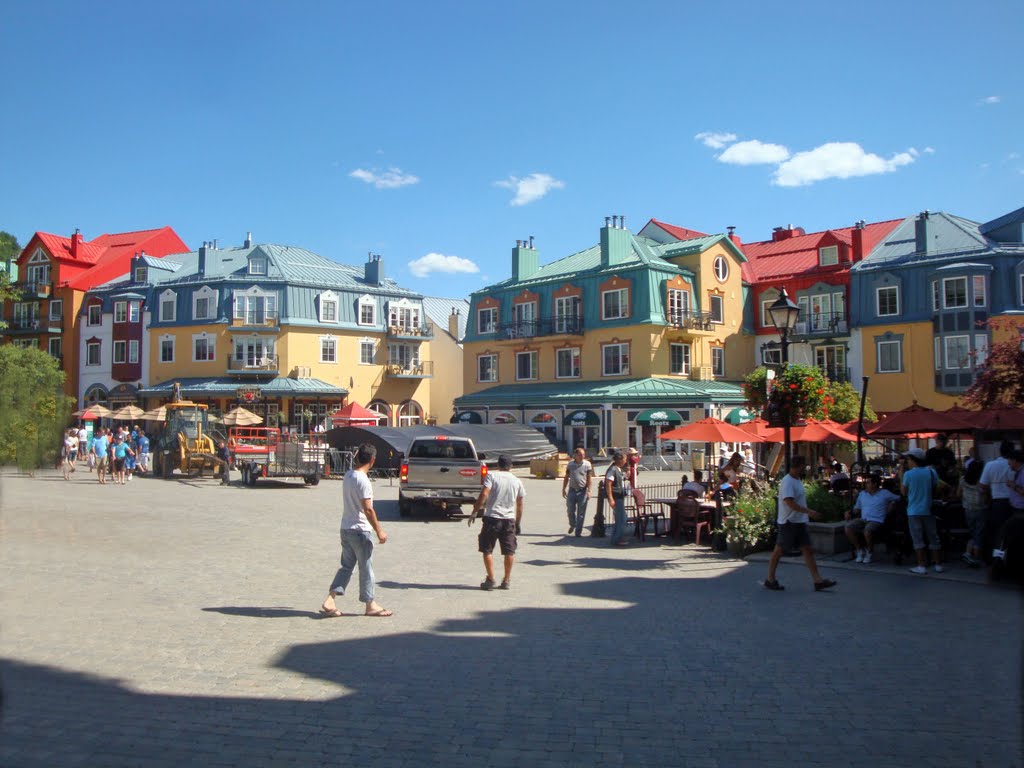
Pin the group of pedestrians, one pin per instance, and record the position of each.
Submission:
(115, 453)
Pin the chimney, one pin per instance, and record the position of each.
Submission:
(734, 237)
(248, 240)
(786, 232)
(857, 241)
(921, 239)
(616, 245)
(201, 262)
(525, 260)
(453, 324)
(373, 270)
(76, 240)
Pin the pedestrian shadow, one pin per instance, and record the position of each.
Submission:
(259, 612)
(413, 585)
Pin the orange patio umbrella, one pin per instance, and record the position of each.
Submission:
(711, 430)
(759, 428)
(822, 431)
(355, 415)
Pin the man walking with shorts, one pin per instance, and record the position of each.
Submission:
(793, 516)
(576, 489)
(918, 485)
(502, 502)
(358, 522)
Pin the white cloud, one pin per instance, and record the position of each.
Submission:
(1013, 156)
(715, 140)
(928, 151)
(836, 160)
(438, 262)
(392, 178)
(990, 100)
(530, 188)
(753, 152)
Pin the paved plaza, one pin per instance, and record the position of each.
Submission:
(175, 623)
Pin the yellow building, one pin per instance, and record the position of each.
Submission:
(611, 345)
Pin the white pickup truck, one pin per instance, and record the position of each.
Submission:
(441, 471)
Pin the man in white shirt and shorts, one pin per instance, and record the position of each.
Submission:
(502, 502)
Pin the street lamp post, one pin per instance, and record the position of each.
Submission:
(785, 314)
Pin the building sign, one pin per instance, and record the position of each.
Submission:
(247, 394)
(583, 419)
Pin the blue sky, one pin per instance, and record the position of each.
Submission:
(438, 133)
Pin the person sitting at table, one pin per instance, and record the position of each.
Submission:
(733, 471)
(724, 490)
(696, 485)
(838, 479)
(873, 503)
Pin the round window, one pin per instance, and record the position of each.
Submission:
(721, 269)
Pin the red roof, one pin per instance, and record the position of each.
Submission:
(798, 254)
(680, 233)
(108, 256)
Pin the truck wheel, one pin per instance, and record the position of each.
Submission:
(313, 480)
(166, 467)
(404, 506)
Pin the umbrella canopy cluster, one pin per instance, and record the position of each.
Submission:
(92, 413)
(918, 420)
(241, 417)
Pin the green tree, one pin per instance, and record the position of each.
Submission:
(843, 403)
(9, 250)
(809, 391)
(33, 407)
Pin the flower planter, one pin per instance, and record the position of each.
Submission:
(828, 538)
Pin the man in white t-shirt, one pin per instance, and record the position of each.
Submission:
(792, 519)
(358, 522)
(994, 482)
(83, 441)
(501, 499)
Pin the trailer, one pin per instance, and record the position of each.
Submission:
(265, 452)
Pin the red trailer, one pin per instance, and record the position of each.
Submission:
(264, 452)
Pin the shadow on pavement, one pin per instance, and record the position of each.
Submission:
(258, 612)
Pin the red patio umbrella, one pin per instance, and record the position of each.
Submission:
(916, 419)
(822, 431)
(760, 428)
(1004, 417)
(354, 415)
(711, 430)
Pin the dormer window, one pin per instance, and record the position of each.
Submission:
(168, 308)
(328, 307)
(204, 304)
(828, 255)
(140, 274)
(367, 310)
(257, 265)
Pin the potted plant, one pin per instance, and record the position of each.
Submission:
(749, 524)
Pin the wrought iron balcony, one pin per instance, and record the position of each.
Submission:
(691, 320)
(822, 324)
(35, 288)
(545, 326)
(25, 324)
(421, 369)
(253, 364)
(418, 332)
(836, 373)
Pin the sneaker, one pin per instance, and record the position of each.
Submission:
(867, 557)
(773, 585)
(572, 529)
(860, 556)
(972, 562)
(998, 554)
(920, 570)
(823, 584)
(938, 568)
(487, 585)
(505, 585)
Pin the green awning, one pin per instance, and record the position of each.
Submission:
(659, 417)
(583, 419)
(739, 416)
(468, 417)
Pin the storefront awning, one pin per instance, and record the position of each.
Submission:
(582, 419)
(280, 386)
(468, 417)
(739, 416)
(659, 417)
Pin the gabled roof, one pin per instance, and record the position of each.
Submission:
(948, 236)
(1013, 217)
(772, 260)
(439, 310)
(679, 233)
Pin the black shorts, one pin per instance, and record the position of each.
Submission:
(793, 536)
(496, 529)
(118, 465)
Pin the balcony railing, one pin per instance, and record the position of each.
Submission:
(256, 321)
(25, 324)
(824, 323)
(39, 288)
(422, 369)
(692, 320)
(253, 364)
(545, 326)
(836, 373)
(424, 331)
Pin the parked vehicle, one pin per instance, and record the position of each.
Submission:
(263, 452)
(442, 471)
(184, 444)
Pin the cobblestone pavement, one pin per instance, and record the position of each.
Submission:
(173, 623)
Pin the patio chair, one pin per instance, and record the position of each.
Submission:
(689, 514)
(644, 512)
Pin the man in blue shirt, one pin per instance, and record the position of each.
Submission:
(100, 446)
(919, 483)
(142, 447)
(873, 503)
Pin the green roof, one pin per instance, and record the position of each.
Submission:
(631, 391)
(280, 386)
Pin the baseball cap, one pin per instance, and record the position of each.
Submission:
(632, 451)
(916, 453)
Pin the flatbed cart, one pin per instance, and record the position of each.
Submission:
(263, 452)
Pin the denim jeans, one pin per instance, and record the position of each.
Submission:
(619, 531)
(576, 507)
(356, 548)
